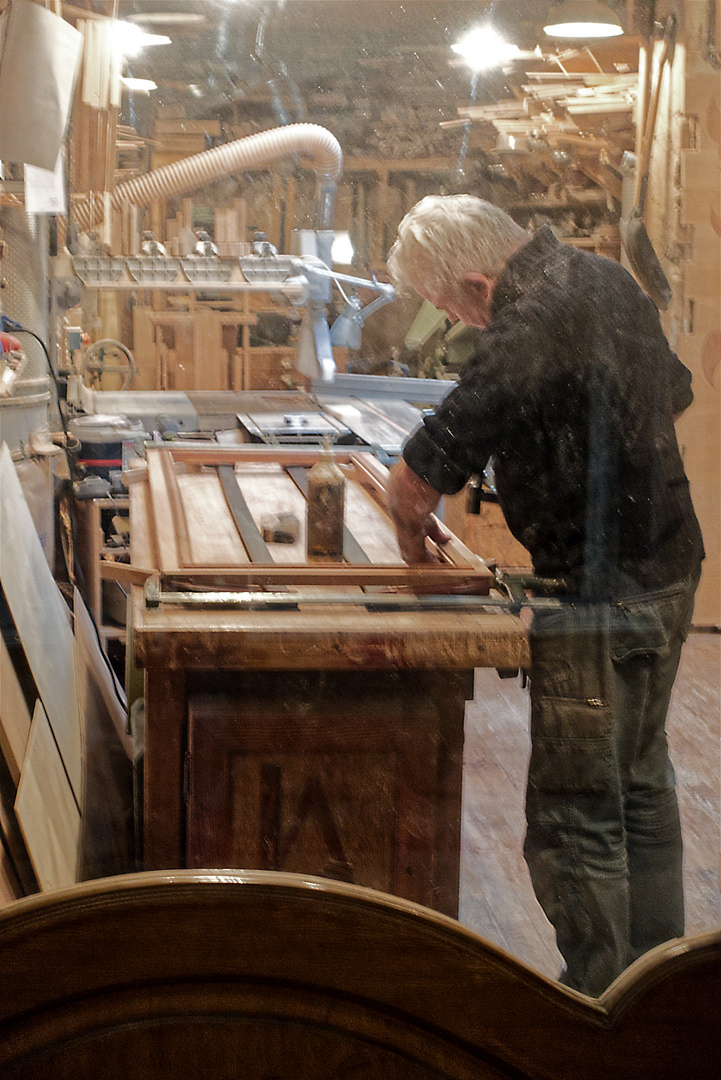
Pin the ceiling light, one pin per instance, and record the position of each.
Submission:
(167, 18)
(484, 48)
(583, 19)
(130, 39)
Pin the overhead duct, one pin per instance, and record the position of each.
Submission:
(253, 151)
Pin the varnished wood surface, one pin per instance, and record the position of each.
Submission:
(355, 779)
(271, 975)
(325, 638)
(497, 900)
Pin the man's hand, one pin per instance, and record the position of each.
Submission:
(411, 502)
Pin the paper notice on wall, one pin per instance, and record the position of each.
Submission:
(39, 56)
(45, 189)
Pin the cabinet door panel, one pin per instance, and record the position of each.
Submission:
(359, 786)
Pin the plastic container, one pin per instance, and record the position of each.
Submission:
(101, 441)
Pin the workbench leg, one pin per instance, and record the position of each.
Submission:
(449, 691)
(165, 744)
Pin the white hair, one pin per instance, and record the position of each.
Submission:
(444, 237)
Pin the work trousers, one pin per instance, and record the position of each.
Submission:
(603, 840)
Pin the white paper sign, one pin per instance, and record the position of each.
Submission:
(39, 57)
(45, 190)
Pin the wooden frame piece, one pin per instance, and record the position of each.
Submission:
(459, 567)
(254, 575)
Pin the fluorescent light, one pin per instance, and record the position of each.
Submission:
(129, 39)
(143, 86)
(483, 48)
(583, 19)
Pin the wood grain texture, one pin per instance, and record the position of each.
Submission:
(212, 533)
(268, 489)
(41, 617)
(160, 511)
(301, 977)
(15, 716)
(47, 810)
(10, 887)
(285, 774)
(344, 637)
(191, 523)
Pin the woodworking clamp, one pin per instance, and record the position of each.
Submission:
(255, 598)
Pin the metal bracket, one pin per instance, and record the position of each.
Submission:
(515, 585)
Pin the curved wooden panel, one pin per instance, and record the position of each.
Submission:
(268, 975)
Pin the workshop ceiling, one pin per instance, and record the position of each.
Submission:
(382, 77)
(291, 50)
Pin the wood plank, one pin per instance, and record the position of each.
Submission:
(161, 514)
(371, 525)
(47, 810)
(143, 551)
(165, 745)
(215, 454)
(211, 535)
(376, 473)
(211, 361)
(423, 579)
(41, 617)
(15, 716)
(107, 828)
(267, 489)
(183, 535)
(344, 637)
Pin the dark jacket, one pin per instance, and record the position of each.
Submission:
(573, 391)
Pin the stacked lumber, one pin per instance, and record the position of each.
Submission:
(95, 114)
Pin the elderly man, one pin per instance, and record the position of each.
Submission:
(572, 391)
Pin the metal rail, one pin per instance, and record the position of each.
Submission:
(258, 600)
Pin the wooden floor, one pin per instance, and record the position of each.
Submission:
(497, 900)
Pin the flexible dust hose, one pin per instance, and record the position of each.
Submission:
(250, 152)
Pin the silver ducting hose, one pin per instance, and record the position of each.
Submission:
(191, 173)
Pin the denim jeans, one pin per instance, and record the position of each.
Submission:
(603, 840)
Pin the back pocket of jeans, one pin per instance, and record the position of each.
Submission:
(571, 745)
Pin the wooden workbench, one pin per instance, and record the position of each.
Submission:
(315, 737)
